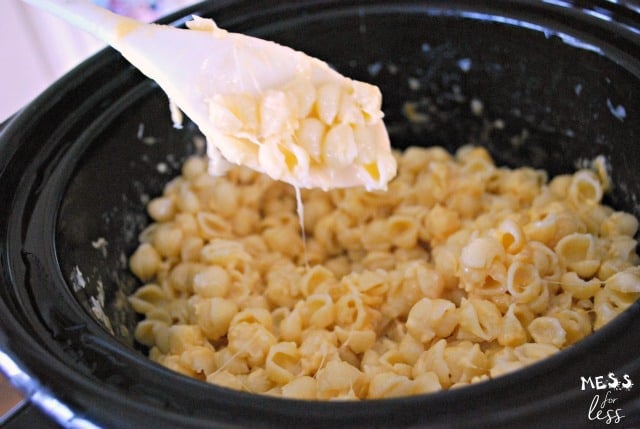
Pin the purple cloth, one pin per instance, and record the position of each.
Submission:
(144, 10)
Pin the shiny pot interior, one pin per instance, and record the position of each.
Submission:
(559, 85)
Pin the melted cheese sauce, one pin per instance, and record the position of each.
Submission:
(300, 213)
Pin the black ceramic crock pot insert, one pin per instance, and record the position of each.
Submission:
(77, 165)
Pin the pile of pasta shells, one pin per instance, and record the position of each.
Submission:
(461, 272)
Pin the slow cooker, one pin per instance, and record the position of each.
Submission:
(558, 81)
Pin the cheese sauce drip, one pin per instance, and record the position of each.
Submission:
(300, 212)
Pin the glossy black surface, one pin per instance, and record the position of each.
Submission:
(77, 165)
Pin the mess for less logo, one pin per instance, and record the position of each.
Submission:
(603, 406)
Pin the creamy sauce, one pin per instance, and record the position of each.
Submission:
(300, 212)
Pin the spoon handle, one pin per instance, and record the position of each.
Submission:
(101, 23)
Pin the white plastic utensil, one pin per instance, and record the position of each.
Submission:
(250, 98)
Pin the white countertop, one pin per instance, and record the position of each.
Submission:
(36, 49)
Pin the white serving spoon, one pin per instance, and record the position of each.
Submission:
(258, 103)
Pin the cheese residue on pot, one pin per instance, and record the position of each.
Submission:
(317, 129)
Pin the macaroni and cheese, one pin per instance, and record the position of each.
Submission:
(460, 272)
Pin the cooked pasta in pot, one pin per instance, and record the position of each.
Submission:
(460, 272)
